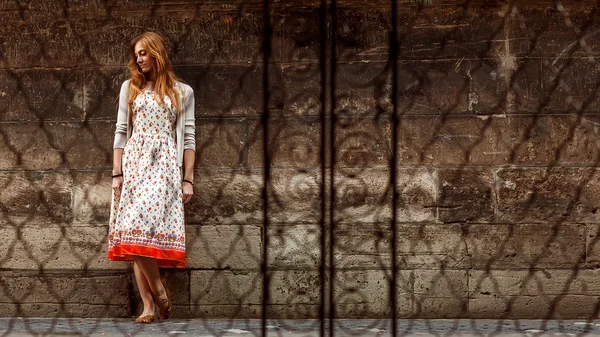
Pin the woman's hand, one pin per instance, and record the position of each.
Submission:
(188, 191)
(117, 183)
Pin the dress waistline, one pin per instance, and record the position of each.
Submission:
(160, 134)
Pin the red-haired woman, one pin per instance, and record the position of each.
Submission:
(153, 171)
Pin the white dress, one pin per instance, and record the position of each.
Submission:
(146, 216)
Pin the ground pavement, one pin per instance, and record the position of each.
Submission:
(295, 328)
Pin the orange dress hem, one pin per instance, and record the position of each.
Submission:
(165, 258)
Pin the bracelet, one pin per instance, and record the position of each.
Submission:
(118, 175)
(187, 181)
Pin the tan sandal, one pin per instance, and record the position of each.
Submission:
(145, 319)
(164, 310)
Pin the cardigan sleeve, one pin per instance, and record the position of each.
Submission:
(189, 137)
(121, 129)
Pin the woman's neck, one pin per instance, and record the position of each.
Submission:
(150, 77)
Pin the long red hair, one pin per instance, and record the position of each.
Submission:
(164, 84)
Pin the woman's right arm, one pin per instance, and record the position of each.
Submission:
(120, 136)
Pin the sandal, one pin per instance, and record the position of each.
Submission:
(164, 309)
(145, 319)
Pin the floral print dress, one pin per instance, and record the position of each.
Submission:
(146, 217)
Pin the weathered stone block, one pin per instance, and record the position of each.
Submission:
(42, 43)
(366, 293)
(178, 282)
(295, 197)
(101, 88)
(441, 283)
(453, 141)
(46, 11)
(432, 88)
(293, 311)
(418, 246)
(363, 246)
(179, 311)
(417, 195)
(569, 306)
(295, 246)
(526, 246)
(222, 292)
(295, 142)
(362, 143)
(220, 144)
(542, 140)
(57, 145)
(295, 294)
(363, 33)
(225, 90)
(230, 35)
(233, 247)
(442, 32)
(548, 195)
(465, 195)
(507, 284)
(228, 197)
(20, 150)
(565, 89)
(544, 31)
(505, 84)
(65, 288)
(440, 293)
(66, 310)
(8, 6)
(295, 88)
(551, 140)
(296, 33)
(6, 250)
(87, 146)
(35, 198)
(293, 287)
(223, 36)
(54, 247)
(592, 252)
(292, 143)
(92, 195)
(440, 307)
(362, 195)
(439, 30)
(534, 307)
(432, 246)
(364, 89)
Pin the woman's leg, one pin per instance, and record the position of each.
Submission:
(144, 288)
(149, 268)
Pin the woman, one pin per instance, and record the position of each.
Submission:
(153, 171)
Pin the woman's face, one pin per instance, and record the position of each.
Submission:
(143, 58)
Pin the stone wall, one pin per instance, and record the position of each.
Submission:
(497, 207)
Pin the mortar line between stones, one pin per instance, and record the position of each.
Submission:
(283, 63)
(311, 117)
(241, 170)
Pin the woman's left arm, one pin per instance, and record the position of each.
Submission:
(189, 145)
(189, 157)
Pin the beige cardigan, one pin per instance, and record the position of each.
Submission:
(186, 127)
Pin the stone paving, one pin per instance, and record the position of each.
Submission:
(295, 328)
